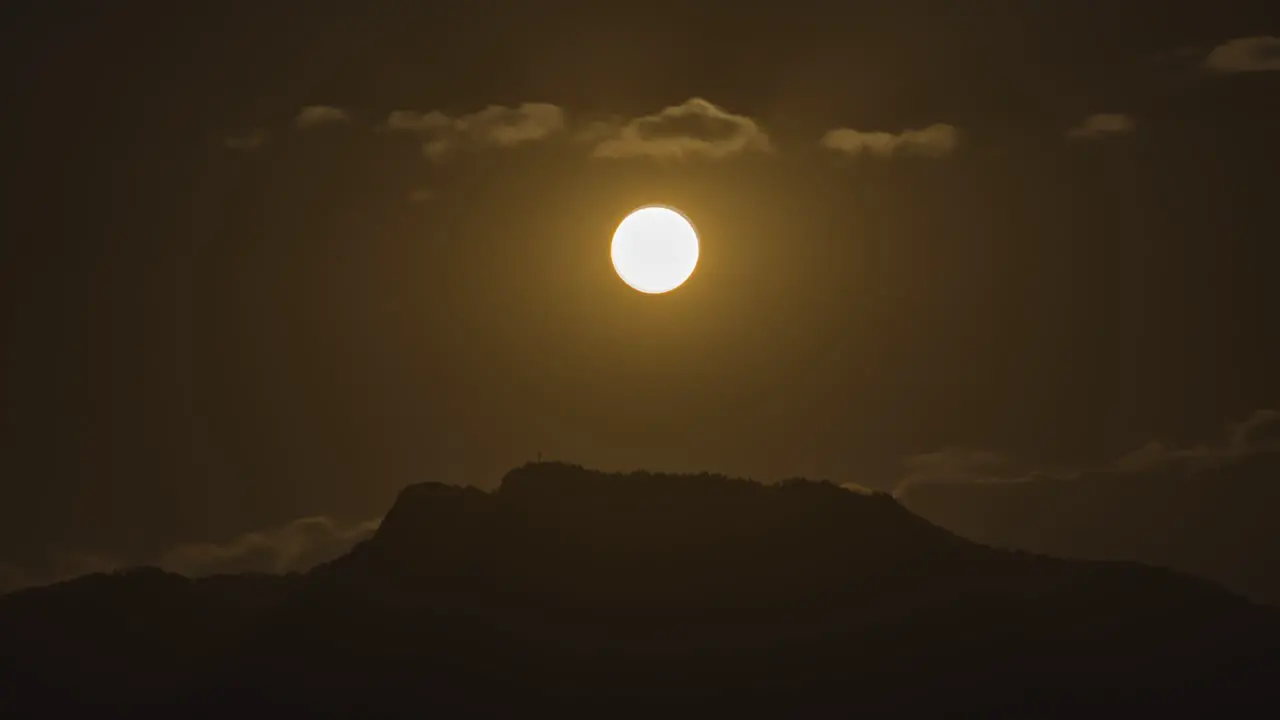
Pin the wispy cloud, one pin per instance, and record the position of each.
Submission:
(1247, 54)
(294, 547)
(1258, 433)
(694, 128)
(250, 140)
(937, 140)
(314, 116)
(495, 126)
(1101, 125)
(952, 465)
(65, 567)
(297, 546)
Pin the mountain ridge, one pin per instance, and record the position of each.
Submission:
(570, 588)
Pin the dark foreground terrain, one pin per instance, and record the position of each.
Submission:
(582, 593)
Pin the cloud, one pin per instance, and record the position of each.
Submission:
(951, 465)
(294, 547)
(1258, 433)
(937, 140)
(297, 546)
(1250, 54)
(597, 131)
(414, 121)
(317, 115)
(495, 126)
(1149, 456)
(695, 127)
(64, 567)
(251, 140)
(1103, 125)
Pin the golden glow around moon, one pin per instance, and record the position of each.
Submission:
(655, 249)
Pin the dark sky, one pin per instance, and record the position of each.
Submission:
(219, 317)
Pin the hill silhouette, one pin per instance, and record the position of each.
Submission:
(578, 592)
(1220, 521)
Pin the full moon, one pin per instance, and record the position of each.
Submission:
(655, 249)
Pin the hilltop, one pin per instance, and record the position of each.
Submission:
(572, 590)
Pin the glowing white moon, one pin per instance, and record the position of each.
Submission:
(655, 249)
